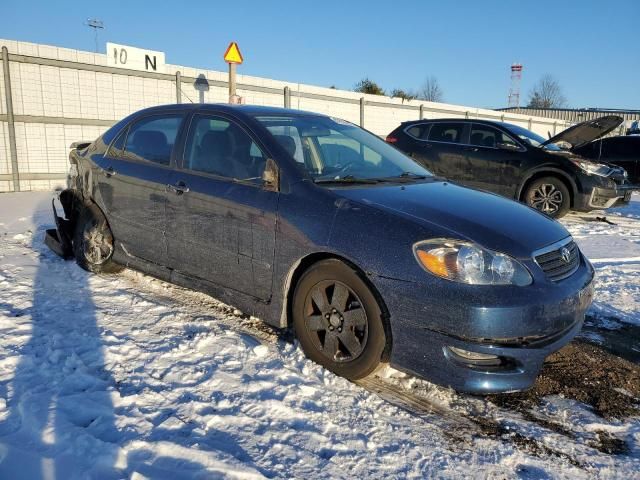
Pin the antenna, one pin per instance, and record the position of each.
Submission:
(95, 24)
(514, 90)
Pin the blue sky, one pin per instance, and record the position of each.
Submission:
(590, 47)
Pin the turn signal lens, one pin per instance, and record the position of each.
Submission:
(466, 262)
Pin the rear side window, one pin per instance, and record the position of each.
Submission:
(152, 138)
(117, 147)
(485, 136)
(418, 132)
(446, 132)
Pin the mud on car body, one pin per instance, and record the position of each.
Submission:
(314, 224)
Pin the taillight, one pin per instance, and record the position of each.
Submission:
(391, 139)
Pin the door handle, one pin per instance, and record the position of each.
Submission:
(108, 172)
(179, 188)
(471, 149)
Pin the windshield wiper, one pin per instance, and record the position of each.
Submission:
(349, 179)
(412, 175)
(403, 177)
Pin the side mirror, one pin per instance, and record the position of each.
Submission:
(508, 146)
(271, 175)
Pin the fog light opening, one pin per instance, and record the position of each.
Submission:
(475, 358)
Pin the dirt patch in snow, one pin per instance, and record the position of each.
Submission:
(584, 372)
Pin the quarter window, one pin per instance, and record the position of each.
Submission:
(446, 132)
(418, 131)
(484, 136)
(220, 147)
(152, 138)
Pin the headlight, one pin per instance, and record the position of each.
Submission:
(467, 262)
(593, 168)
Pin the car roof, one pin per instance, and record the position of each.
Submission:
(456, 120)
(250, 110)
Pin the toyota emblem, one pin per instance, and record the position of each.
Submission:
(565, 254)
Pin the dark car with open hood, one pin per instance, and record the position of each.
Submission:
(314, 224)
(517, 163)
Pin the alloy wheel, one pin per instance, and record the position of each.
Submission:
(546, 198)
(336, 320)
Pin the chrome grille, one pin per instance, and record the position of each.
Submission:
(555, 266)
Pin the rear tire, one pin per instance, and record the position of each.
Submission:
(549, 195)
(338, 320)
(93, 244)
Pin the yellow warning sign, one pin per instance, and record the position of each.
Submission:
(233, 55)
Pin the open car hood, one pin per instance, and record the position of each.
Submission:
(586, 132)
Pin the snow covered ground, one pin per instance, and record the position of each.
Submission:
(128, 377)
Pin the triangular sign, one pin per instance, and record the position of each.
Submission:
(233, 55)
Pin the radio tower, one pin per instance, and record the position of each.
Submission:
(514, 90)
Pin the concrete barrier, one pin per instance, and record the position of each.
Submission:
(51, 97)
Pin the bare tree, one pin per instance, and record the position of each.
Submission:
(547, 93)
(430, 90)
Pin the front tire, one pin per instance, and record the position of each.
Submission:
(93, 243)
(338, 320)
(549, 195)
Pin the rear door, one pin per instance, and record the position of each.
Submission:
(131, 179)
(445, 146)
(221, 219)
(494, 159)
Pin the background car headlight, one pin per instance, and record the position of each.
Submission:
(467, 262)
(593, 168)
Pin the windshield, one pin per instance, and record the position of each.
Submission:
(333, 150)
(529, 137)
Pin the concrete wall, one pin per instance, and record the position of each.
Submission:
(62, 95)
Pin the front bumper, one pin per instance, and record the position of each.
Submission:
(525, 333)
(605, 197)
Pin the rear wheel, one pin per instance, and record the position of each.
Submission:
(549, 195)
(93, 243)
(338, 320)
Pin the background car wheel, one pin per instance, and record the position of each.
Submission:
(549, 195)
(338, 321)
(93, 242)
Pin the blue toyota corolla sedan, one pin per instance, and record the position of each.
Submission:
(313, 223)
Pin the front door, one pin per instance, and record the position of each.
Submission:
(221, 219)
(131, 179)
(495, 160)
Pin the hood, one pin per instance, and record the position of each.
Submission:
(586, 132)
(487, 219)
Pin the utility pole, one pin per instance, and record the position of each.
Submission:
(95, 24)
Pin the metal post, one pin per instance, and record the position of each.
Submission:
(287, 97)
(421, 112)
(10, 120)
(232, 80)
(555, 125)
(178, 87)
(530, 121)
(362, 112)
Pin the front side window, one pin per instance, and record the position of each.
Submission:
(219, 147)
(446, 132)
(529, 137)
(152, 138)
(331, 149)
(485, 136)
